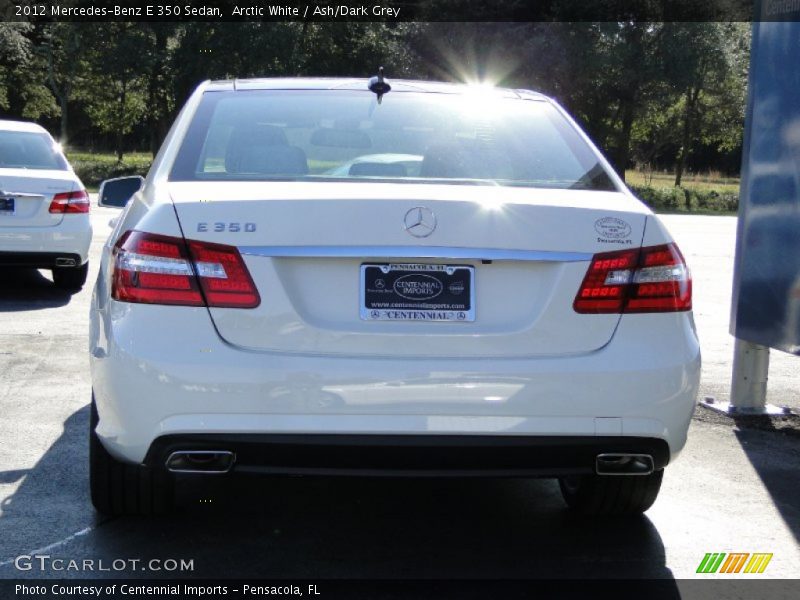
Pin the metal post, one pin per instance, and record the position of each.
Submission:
(750, 373)
(749, 383)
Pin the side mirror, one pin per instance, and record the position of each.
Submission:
(115, 193)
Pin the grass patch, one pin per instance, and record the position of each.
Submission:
(679, 199)
(317, 167)
(93, 168)
(695, 181)
(700, 193)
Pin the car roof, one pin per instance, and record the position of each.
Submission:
(6, 125)
(346, 83)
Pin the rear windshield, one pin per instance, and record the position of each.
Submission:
(30, 150)
(409, 136)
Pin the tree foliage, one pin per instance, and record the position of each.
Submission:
(658, 95)
(15, 52)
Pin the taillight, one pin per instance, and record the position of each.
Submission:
(223, 276)
(159, 269)
(70, 202)
(652, 279)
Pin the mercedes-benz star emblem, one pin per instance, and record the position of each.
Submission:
(420, 221)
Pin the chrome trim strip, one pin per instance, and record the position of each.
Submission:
(413, 252)
(7, 195)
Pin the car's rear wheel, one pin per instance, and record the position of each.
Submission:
(611, 494)
(119, 488)
(70, 279)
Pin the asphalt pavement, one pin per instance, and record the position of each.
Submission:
(733, 489)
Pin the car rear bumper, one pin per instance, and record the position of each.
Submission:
(24, 246)
(149, 384)
(409, 455)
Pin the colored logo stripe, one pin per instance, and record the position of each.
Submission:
(734, 562)
(713, 562)
(758, 563)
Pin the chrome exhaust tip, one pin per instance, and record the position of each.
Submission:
(66, 262)
(200, 461)
(624, 464)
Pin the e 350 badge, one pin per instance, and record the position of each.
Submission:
(613, 231)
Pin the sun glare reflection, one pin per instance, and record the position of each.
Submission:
(491, 203)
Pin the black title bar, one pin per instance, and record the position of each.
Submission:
(398, 10)
(378, 589)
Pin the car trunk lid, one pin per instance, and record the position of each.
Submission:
(26, 194)
(306, 245)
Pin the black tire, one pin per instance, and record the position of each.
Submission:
(611, 494)
(119, 488)
(70, 279)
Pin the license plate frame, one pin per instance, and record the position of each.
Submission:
(409, 292)
(8, 205)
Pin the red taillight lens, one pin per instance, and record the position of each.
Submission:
(223, 276)
(603, 287)
(662, 283)
(652, 279)
(70, 202)
(159, 269)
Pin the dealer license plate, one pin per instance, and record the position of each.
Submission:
(417, 292)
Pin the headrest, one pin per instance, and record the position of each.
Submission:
(448, 160)
(248, 139)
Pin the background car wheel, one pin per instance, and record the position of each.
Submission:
(70, 278)
(609, 494)
(119, 488)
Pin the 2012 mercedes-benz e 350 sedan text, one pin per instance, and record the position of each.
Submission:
(328, 276)
(44, 209)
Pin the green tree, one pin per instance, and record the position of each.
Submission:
(119, 99)
(708, 64)
(159, 42)
(61, 57)
(15, 51)
(630, 78)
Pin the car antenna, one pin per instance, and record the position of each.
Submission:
(378, 86)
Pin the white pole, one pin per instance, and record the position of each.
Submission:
(750, 371)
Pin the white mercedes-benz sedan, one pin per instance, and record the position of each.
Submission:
(510, 309)
(44, 208)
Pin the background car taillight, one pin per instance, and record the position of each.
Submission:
(159, 269)
(651, 279)
(70, 202)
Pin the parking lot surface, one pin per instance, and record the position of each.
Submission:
(734, 489)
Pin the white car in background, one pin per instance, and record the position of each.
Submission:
(509, 310)
(44, 208)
